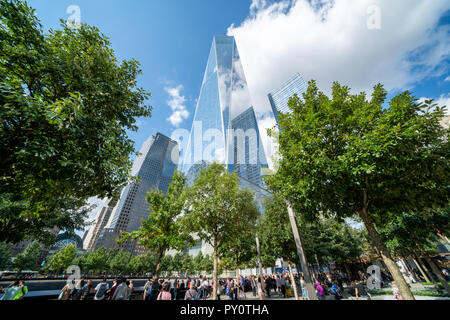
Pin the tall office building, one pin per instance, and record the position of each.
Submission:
(224, 96)
(279, 98)
(249, 157)
(224, 128)
(100, 222)
(154, 166)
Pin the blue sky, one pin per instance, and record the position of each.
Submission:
(326, 40)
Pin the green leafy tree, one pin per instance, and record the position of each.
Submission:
(213, 209)
(241, 247)
(62, 259)
(188, 264)
(143, 264)
(5, 256)
(345, 155)
(167, 264)
(119, 263)
(163, 230)
(98, 261)
(198, 262)
(80, 261)
(177, 263)
(416, 234)
(66, 104)
(29, 258)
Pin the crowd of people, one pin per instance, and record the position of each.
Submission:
(15, 291)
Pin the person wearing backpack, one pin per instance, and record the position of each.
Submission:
(101, 289)
(191, 294)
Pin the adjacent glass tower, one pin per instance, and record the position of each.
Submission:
(279, 98)
(155, 165)
(249, 157)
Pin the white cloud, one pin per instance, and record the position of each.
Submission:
(328, 40)
(447, 79)
(177, 104)
(443, 100)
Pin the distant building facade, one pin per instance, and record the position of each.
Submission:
(155, 167)
(100, 223)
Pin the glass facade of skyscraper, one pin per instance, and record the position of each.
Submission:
(249, 156)
(225, 127)
(155, 166)
(279, 98)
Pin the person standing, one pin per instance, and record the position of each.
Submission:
(254, 285)
(148, 284)
(77, 291)
(65, 291)
(130, 288)
(154, 290)
(268, 285)
(205, 288)
(113, 289)
(283, 286)
(86, 289)
(165, 292)
(121, 293)
(100, 290)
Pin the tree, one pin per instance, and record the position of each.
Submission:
(213, 209)
(177, 264)
(198, 262)
(66, 105)
(415, 234)
(275, 234)
(5, 255)
(167, 264)
(29, 258)
(241, 247)
(188, 265)
(98, 261)
(62, 259)
(163, 229)
(119, 263)
(345, 155)
(143, 264)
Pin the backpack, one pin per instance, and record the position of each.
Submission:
(101, 291)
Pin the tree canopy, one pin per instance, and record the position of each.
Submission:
(345, 154)
(66, 105)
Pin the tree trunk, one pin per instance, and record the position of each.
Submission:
(430, 275)
(237, 280)
(433, 266)
(158, 264)
(437, 272)
(386, 255)
(347, 269)
(301, 254)
(258, 249)
(216, 285)
(415, 259)
(294, 284)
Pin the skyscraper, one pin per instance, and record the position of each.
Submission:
(154, 166)
(224, 96)
(279, 98)
(100, 222)
(225, 128)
